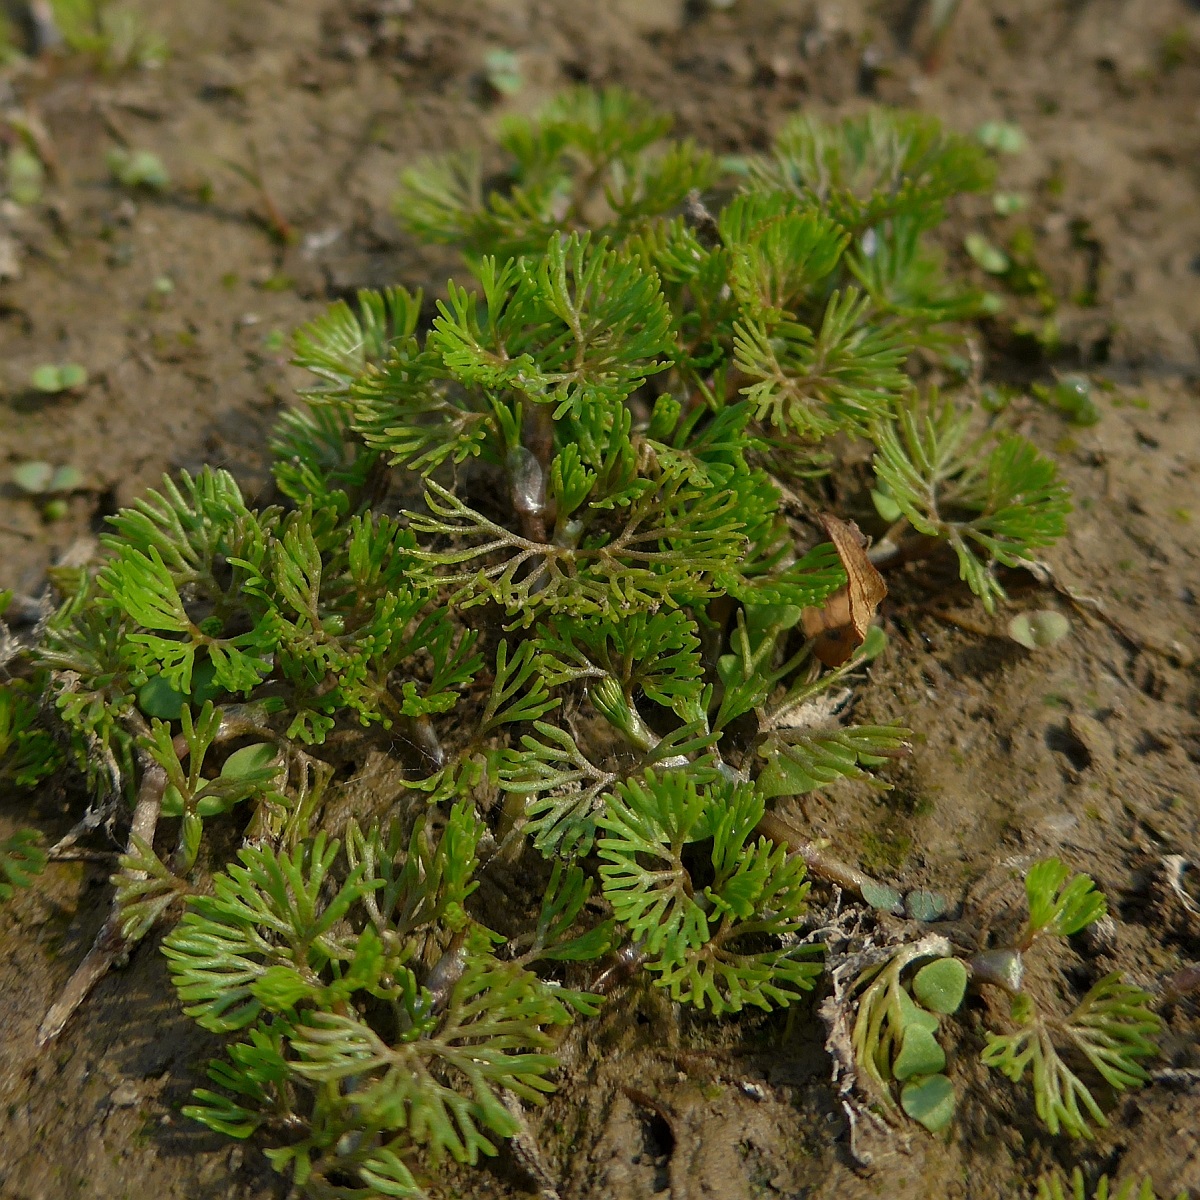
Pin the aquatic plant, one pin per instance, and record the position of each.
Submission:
(553, 567)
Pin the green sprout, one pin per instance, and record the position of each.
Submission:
(1036, 630)
(1071, 396)
(895, 1032)
(138, 169)
(53, 378)
(897, 1020)
(1110, 1029)
(502, 70)
(25, 175)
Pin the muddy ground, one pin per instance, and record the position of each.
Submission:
(1089, 750)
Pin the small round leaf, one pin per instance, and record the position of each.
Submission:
(1002, 137)
(924, 905)
(929, 1101)
(913, 1014)
(157, 698)
(941, 985)
(885, 506)
(879, 895)
(66, 479)
(991, 258)
(919, 1054)
(172, 802)
(1038, 629)
(46, 378)
(71, 375)
(33, 477)
(250, 760)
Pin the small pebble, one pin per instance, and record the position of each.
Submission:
(1100, 937)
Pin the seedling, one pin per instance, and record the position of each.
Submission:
(138, 169)
(895, 1033)
(25, 176)
(271, 216)
(1001, 137)
(1071, 396)
(1111, 1028)
(1038, 629)
(53, 378)
(48, 483)
(502, 70)
(1007, 204)
(991, 258)
(41, 479)
(558, 565)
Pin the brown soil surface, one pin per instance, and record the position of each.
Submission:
(1089, 750)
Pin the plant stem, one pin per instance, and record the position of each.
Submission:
(110, 943)
(826, 867)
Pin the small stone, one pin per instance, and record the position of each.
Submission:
(125, 1095)
(1100, 937)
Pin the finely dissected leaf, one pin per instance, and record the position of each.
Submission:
(145, 890)
(798, 761)
(656, 654)
(488, 1040)
(813, 382)
(265, 912)
(645, 826)
(702, 942)
(874, 167)
(28, 751)
(1111, 1028)
(319, 458)
(780, 252)
(565, 784)
(994, 495)
(582, 150)
(519, 692)
(339, 344)
(1060, 903)
(669, 549)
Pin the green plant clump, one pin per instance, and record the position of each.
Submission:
(536, 592)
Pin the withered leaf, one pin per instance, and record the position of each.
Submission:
(840, 625)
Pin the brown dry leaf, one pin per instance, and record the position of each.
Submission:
(840, 626)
